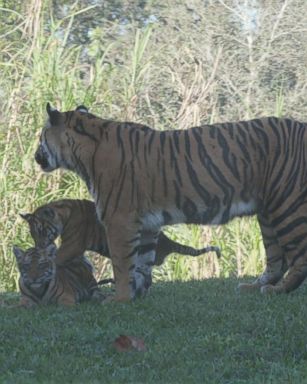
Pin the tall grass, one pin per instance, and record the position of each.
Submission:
(148, 74)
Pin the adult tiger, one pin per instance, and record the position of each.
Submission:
(142, 179)
(44, 282)
(80, 230)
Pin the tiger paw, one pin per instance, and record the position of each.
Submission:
(269, 289)
(115, 298)
(247, 287)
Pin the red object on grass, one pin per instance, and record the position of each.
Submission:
(125, 343)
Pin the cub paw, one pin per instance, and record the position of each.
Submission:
(115, 298)
(246, 287)
(268, 289)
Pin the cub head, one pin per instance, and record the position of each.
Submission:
(59, 138)
(45, 225)
(36, 266)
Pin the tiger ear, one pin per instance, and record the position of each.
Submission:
(82, 108)
(27, 216)
(54, 114)
(19, 253)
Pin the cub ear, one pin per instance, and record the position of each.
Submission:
(82, 108)
(18, 252)
(54, 114)
(27, 216)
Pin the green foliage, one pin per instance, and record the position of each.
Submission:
(195, 332)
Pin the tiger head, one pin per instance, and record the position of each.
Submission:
(45, 225)
(57, 141)
(37, 267)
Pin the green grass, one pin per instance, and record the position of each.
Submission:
(195, 332)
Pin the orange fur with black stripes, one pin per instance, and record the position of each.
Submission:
(43, 282)
(80, 230)
(142, 179)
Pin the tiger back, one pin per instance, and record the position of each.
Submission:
(42, 282)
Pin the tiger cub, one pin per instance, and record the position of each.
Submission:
(43, 282)
(80, 230)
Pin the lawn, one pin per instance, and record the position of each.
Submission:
(195, 332)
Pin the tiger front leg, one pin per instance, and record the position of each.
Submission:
(123, 242)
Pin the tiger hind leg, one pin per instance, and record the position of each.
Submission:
(275, 259)
(292, 235)
(292, 280)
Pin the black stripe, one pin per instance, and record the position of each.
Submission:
(120, 189)
(187, 143)
(98, 193)
(120, 144)
(177, 195)
(241, 132)
(153, 189)
(106, 205)
(291, 226)
(132, 174)
(291, 208)
(262, 136)
(80, 129)
(212, 131)
(230, 130)
(94, 162)
(162, 141)
(137, 141)
(151, 138)
(131, 140)
(219, 179)
(175, 136)
(202, 192)
(134, 239)
(133, 252)
(229, 158)
(165, 189)
(172, 152)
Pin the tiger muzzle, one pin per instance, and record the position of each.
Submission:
(41, 158)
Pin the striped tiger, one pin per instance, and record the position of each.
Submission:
(142, 179)
(80, 230)
(43, 282)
